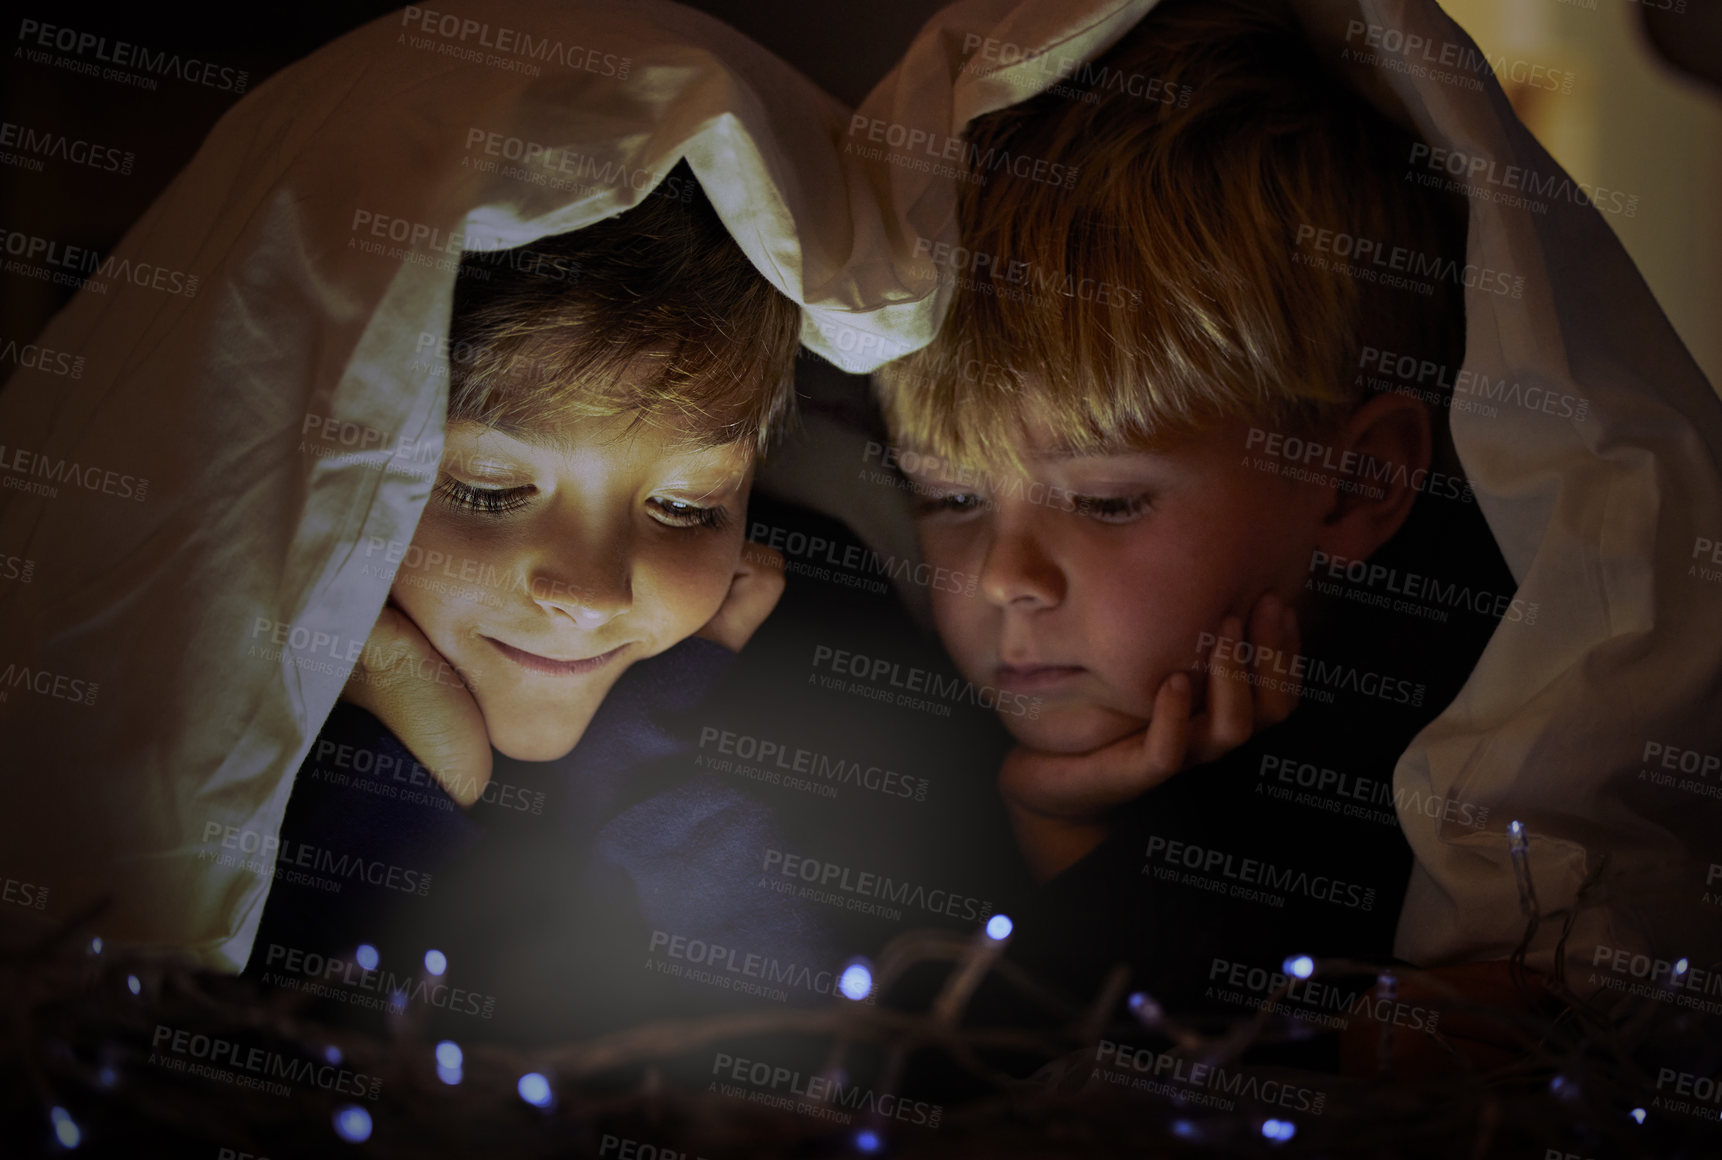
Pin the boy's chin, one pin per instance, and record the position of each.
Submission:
(535, 749)
(533, 742)
(1072, 728)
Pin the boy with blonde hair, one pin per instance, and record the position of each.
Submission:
(1153, 487)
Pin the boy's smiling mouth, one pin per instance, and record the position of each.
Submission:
(552, 666)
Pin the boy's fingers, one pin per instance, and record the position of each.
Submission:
(1168, 739)
(1229, 718)
(754, 591)
(392, 651)
(1129, 768)
(407, 685)
(1274, 696)
(1277, 690)
(1077, 787)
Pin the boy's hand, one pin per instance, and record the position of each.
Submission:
(753, 593)
(411, 688)
(1056, 801)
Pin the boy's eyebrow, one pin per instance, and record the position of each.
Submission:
(1099, 453)
(554, 441)
(535, 436)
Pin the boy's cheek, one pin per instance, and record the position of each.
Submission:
(968, 631)
(675, 599)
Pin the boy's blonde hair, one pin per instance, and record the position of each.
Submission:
(654, 313)
(1163, 289)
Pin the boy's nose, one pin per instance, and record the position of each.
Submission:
(586, 611)
(1018, 572)
(591, 593)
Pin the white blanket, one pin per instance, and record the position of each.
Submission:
(285, 416)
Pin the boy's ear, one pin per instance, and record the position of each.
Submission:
(1393, 441)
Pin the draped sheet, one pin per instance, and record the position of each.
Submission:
(185, 637)
(257, 447)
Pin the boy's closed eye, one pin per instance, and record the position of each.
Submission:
(1120, 505)
(709, 509)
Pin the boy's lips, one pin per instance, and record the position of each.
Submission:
(551, 665)
(1034, 678)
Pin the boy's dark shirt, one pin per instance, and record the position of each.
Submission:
(544, 895)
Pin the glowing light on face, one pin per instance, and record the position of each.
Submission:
(1098, 576)
(548, 562)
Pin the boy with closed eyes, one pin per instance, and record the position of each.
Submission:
(576, 582)
(1145, 561)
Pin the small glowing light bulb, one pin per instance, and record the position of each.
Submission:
(65, 1128)
(534, 1089)
(1143, 1006)
(1278, 1131)
(856, 982)
(353, 1124)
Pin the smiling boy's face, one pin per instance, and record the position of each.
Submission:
(542, 569)
(1097, 585)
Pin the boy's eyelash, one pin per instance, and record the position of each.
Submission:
(1105, 507)
(681, 514)
(491, 501)
(499, 501)
(1100, 507)
(961, 502)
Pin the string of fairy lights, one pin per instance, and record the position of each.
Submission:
(976, 956)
